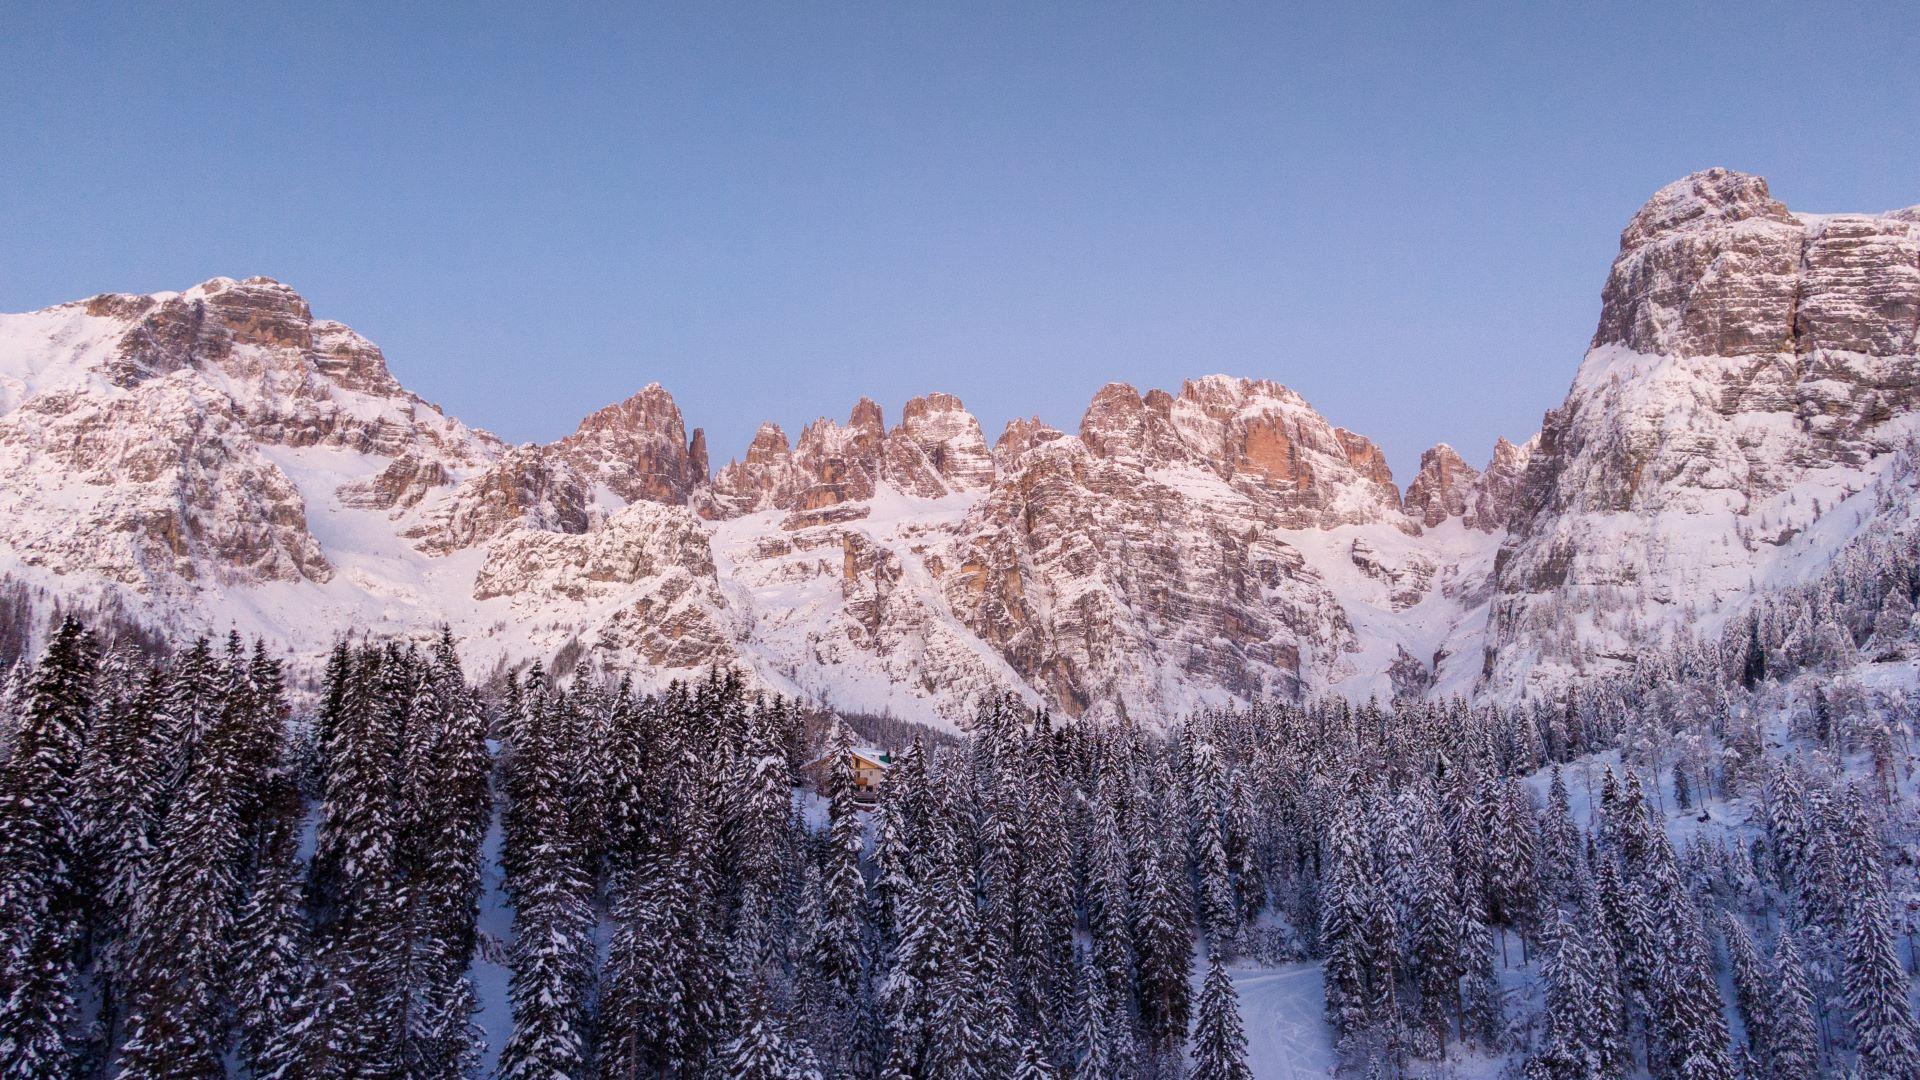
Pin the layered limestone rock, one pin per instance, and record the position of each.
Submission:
(949, 440)
(1752, 368)
(1496, 496)
(529, 487)
(640, 587)
(162, 490)
(219, 458)
(1714, 266)
(1019, 436)
(936, 450)
(1447, 487)
(1144, 563)
(1258, 436)
(145, 439)
(748, 485)
(1442, 488)
(638, 450)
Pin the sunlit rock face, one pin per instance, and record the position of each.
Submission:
(219, 458)
(1752, 369)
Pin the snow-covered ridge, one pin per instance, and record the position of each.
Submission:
(221, 458)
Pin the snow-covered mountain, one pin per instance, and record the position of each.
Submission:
(219, 458)
(1753, 375)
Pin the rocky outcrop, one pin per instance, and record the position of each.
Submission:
(162, 491)
(936, 450)
(1446, 487)
(644, 582)
(529, 487)
(949, 441)
(1259, 437)
(1145, 560)
(1714, 266)
(1018, 437)
(1752, 367)
(638, 450)
(219, 458)
(750, 484)
(1442, 489)
(1496, 495)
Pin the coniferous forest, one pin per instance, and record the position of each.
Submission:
(1701, 869)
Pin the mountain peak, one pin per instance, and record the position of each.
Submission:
(1703, 200)
(1713, 265)
(637, 448)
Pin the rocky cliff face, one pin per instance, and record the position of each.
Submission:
(1446, 487)
(1752, 371)
(219, 457)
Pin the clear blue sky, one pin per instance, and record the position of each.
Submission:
(1405, 212)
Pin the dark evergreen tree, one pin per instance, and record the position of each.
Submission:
(1754, 992)
(1793, 1045)
(1877, 990)
(1163, 944)
(184, 913)
(1219, 1040)
(270, 965)
(836, 950)
(40, 850)
(552, 922)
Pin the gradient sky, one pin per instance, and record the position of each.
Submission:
(1403, 211)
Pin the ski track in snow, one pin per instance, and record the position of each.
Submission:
(1283, 1010)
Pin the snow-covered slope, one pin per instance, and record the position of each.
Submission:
(1753, 372)
(220, 458)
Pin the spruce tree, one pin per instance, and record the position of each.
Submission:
(40, 848)
(184, 915)
(1754, 992)
(1877, 986)
(1163, 944)
(270, 965)
(552, 922)
(1794, 1044)
(1347, 901)
(1688, 1017)
(1219, 1040)
(836, 948)
(762, 1051)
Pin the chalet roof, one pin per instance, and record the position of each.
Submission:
(872, 754)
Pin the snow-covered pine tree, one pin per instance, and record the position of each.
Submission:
(184, 912)
(1877, 988)
(1434, 940)
(1479, 985)
(1109, 906)
(756, 845)
(1793, 1045)
(1688, 1019)
(552, 921)
(270, 961)
(1559, 840)
(932, 918)
(1213, 896)
(1033, 1064)
(1219, 1039)
(836, 949)
(1162, 942)
(445, 812)
(1043, 903)
(1579, 1039)
(1753, 992)
(1512, 861)
(1346, 901)
(40, 848)
(762, 1051)
(1095, 1053)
